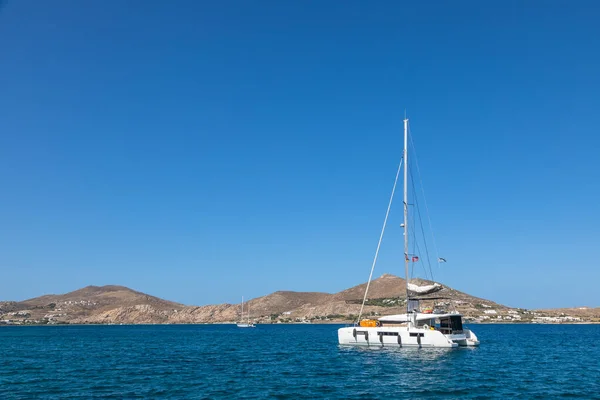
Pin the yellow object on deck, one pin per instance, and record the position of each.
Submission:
(368, 323)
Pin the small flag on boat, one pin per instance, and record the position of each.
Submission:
(415, 258)
(440, 259)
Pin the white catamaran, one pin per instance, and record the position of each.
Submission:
(415, 328)
(246, 324)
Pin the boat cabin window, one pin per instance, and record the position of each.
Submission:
(428, 322)
(388, 333)
(451, 324)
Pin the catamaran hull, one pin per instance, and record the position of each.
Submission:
(403, 337)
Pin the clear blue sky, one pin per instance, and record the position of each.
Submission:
(200, 151)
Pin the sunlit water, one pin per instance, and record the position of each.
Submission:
(291, 362)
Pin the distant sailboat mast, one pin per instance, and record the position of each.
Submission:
(248, 314)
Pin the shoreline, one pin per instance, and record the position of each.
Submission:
(286, 323)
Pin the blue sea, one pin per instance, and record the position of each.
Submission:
(291, 362)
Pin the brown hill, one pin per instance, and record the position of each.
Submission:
(101, 296)
(283, 301)
(590, 314)
(386, 286)
(80, 304)
(117, 304)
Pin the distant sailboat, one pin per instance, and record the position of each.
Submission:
(246, 324)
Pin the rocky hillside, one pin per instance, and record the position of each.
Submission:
(120, 305)
(82, 304)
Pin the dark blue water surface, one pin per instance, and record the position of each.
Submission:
(290, 362)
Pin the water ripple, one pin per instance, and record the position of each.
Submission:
(291, 362)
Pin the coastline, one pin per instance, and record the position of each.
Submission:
(346, 323)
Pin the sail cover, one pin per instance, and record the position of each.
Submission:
(416, 290)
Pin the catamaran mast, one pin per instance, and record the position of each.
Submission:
(406, 261)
